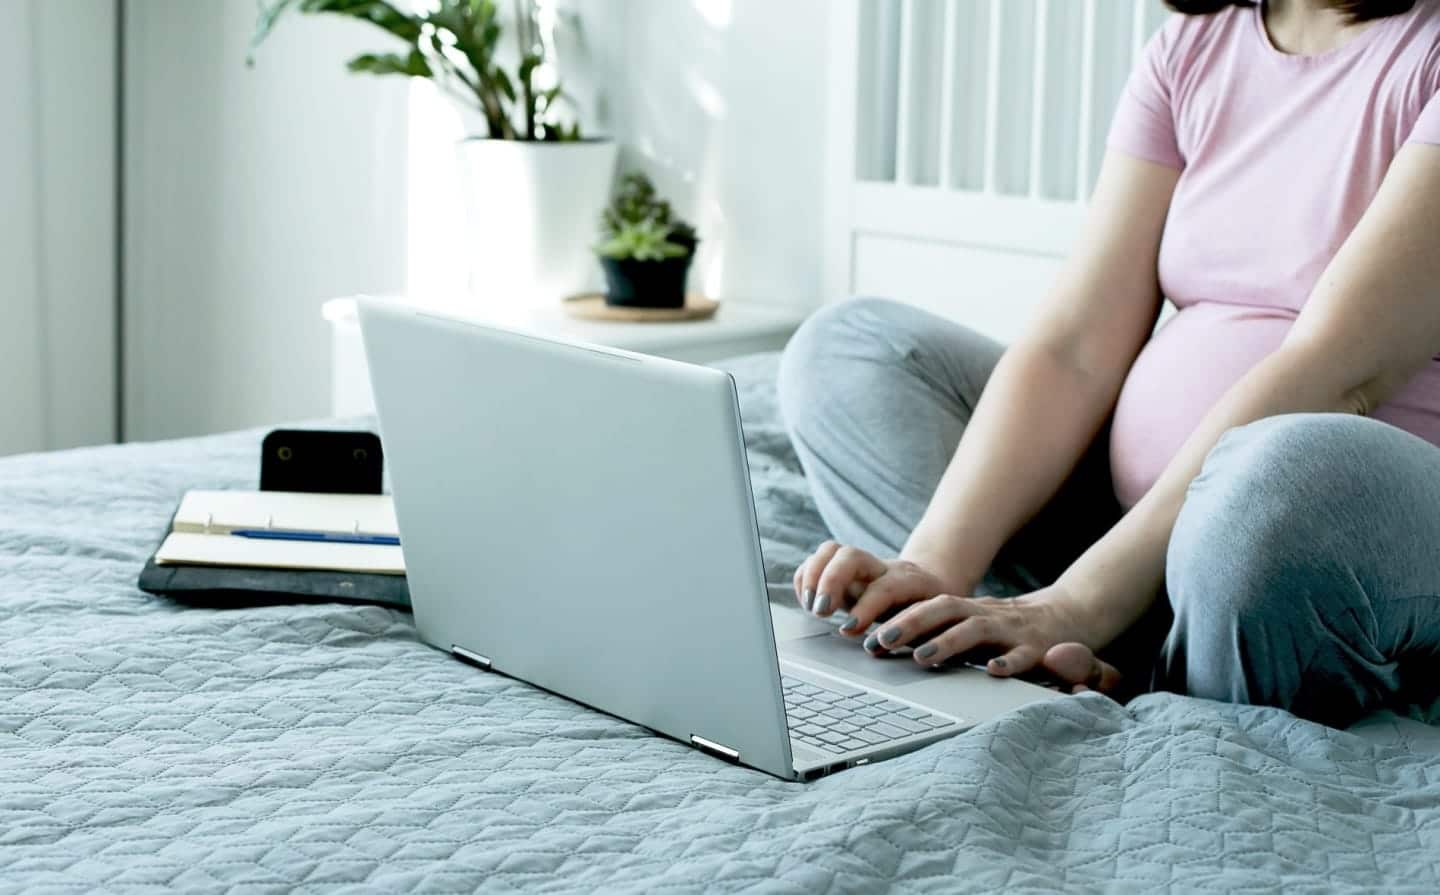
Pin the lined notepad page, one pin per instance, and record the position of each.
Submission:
(220, 512)
(201, 533)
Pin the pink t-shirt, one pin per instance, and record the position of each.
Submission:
(1279, 157)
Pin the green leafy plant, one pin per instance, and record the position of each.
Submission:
(454, 44)
(639, 225)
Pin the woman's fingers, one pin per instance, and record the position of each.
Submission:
(967, 623)
(959, 639)
(847, 566)
(1019, 660)
(810, 573)
(887, 592)
(917, 621)
(1077, 665)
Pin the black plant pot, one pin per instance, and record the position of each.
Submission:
(646, 284)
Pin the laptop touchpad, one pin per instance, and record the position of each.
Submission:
(845, 655)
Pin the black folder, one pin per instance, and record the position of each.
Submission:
(227, 586)
(319, 462)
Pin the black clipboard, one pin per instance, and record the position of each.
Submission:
(235, 586)
(292, 460)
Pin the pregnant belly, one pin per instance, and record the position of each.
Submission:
(1181, 373)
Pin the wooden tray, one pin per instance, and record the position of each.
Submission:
(591, 306)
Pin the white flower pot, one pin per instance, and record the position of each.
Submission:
(533, 211)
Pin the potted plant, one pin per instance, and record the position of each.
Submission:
(647, 249)
(532, 183)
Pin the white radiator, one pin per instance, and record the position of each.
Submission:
(965, 136)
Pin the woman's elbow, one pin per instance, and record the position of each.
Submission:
(1360, 401)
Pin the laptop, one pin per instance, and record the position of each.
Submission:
(581, 519)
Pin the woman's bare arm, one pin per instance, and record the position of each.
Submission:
(1045, 402)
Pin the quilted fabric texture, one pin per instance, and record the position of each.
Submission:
(147, 745)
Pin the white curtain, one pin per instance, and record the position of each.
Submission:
(57, 223)
(252, 195)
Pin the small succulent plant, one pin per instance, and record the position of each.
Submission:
(645, 241)
(640, 226)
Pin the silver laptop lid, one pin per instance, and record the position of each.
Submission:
(582, 519)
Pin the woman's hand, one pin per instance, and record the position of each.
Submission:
(837, 578)
(1038, 630)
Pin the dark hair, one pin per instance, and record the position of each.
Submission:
(1356, 10)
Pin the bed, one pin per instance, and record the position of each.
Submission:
(144, 744)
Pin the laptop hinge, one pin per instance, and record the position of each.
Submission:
(469, 658)
(713, 748)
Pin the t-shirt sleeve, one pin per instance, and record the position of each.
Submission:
(1427, 126)
(1144, 122)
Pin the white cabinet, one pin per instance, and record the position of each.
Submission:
(737, 328)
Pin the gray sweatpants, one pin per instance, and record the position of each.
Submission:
(1304, 569)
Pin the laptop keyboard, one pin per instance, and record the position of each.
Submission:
(843, 719)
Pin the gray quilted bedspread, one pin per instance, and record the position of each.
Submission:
(144, 745)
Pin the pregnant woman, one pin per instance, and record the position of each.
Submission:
(1258, 482)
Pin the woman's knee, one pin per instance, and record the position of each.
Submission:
(840, 349)
(1253, 516)
(1261, 549)
(836, 331)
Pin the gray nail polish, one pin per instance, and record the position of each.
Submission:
(872, 643)
(822, 604)
(851, 626)
(890, 636)
(927, 651)
(807, 598)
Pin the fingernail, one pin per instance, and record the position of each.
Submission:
(851, 626)
(807, 598)
(999, 663)
(822, 604)
(872, 643)
(890, 636)
(927, 651)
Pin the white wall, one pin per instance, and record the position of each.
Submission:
(251, 196)
(57, 216)
(722, 102)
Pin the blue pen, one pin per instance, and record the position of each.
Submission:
(280, 534)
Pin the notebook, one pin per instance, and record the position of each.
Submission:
(354, 533)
